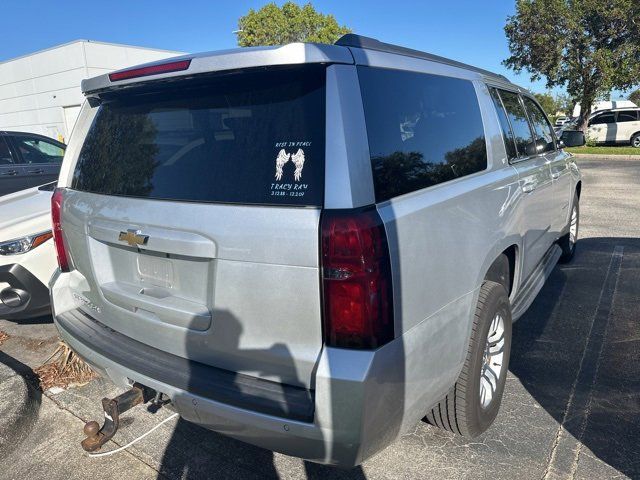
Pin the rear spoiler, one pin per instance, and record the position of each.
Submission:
(238, 58)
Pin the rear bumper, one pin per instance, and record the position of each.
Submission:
(358, 403)
(238, 390)
(361, 400)
(26, 296)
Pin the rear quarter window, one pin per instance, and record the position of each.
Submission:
(249, 138)
(422, 129)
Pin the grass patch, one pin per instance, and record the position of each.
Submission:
(64, 369)
(604, 150)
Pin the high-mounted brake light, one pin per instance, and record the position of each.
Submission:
(356, 271)
(150, 70)
(56, 210)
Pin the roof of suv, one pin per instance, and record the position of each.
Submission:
(289, 54)
(618, 109)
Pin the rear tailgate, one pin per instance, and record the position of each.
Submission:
(193, 217)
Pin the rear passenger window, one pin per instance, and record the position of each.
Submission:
(37, 150)
(5, 154)
(628, 116)
(541, 126)
(519, 123)
(422, 129)
(603, 118)
(507, 133)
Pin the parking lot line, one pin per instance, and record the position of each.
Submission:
(563, 459)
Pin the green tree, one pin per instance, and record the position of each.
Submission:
(547, 102)
(589, 46)
(273, 25)
(635, 97)
(105, 162)
(564, 104)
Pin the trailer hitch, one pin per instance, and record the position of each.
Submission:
(113, 407)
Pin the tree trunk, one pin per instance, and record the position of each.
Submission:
(585, 110)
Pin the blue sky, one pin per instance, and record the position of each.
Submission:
(465, 30)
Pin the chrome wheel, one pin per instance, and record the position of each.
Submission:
(573, 228)
(635, 141)
(492, 361)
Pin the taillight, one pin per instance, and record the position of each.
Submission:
(356, 271)
(56, 210)
(178, 66)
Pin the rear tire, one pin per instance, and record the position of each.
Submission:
(635, 140)
(568, 242)
(500, 272)
(472, 404)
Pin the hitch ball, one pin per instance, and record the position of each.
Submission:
(91, 428)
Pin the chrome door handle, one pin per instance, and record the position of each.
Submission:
(37, 170)
(555, 175)
(9, 172)
(528, 187)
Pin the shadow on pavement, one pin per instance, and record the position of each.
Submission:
(19, 406)
(578, 348)
(197, 453)
(40, 320)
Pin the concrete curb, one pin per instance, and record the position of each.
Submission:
(593, 156)
(18, 415)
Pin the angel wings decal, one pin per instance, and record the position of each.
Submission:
(296, 158)
(283, 157)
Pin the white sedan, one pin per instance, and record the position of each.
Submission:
(27, 253)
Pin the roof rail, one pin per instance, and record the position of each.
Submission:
(360, 41)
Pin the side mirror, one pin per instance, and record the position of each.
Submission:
(572, 138)
(531, 149)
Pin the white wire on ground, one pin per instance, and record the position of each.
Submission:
(111, 452)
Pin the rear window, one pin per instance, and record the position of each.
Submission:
(628, 116)
(250, 138)
(423, 129)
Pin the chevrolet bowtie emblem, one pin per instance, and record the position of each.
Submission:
(133, 237)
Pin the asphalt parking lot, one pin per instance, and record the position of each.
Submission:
(571, 407)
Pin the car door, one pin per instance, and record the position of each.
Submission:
(40, 156)
(12, 176)
(628, 124)
(557, 161)
(534, 173)
(602, 128)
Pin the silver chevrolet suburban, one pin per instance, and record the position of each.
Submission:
(310, 247)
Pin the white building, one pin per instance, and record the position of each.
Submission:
(40, 92)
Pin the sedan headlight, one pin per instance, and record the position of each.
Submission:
(24, 244)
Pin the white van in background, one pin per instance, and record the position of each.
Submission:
(620, 125)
